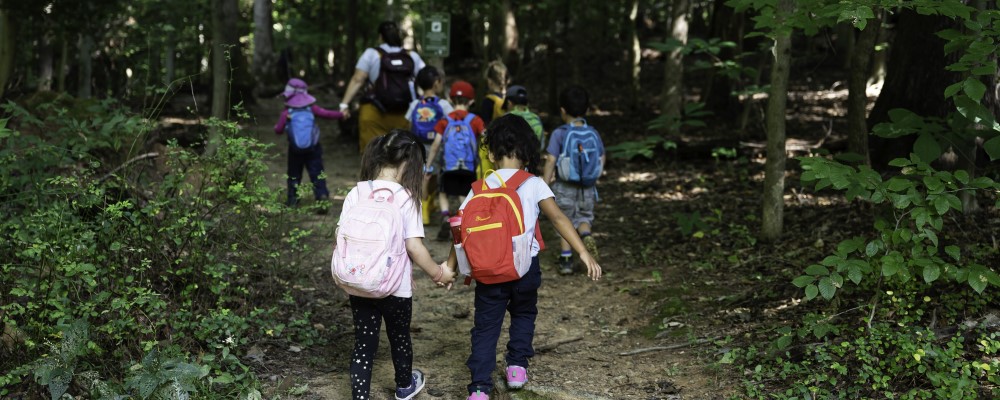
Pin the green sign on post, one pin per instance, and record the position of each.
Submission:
(437, 35)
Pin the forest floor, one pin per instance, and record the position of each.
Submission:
(697, 293)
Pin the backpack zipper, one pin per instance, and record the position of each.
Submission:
(517, 213)
(495, 225)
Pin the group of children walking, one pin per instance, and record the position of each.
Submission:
(498, 159)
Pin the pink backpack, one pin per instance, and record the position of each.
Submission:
(370, 254)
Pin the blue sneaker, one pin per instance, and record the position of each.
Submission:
(416, 385)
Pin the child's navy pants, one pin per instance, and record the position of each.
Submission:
(312, 161)
(520, 299)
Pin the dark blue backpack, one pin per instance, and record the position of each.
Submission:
(460, 144)
(425, 117)
(303, 133)
(580, 160)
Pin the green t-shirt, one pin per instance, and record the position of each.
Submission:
(534, 122)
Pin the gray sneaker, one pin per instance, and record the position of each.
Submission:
(416, 385)
(565, 265)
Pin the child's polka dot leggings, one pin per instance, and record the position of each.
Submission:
(368, 316)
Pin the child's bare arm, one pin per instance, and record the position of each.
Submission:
(565, 229)
(435, 146)
(422, 258)
(549, 170)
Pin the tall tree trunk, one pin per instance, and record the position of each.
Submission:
(727, 25)
(634, 52)
(857, 84)
(62, 65)
(45, 60)
(916, 78)
(351, 44)
(511, 51)
(673, 86)
(223, 23)
(85, 71)
(772, 222)
(6, 49)
(169, 58)
(263, 44)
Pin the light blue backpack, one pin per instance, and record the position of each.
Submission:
(303, 133)
(580, 160)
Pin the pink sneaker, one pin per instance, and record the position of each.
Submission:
(517, 376)
(478, 396)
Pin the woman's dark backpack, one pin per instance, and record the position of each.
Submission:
(393, 90)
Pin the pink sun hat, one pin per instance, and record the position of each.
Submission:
(297, 93)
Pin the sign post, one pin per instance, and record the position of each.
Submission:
(437, 35)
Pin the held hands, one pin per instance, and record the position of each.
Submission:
(446, 277)
(593, 270)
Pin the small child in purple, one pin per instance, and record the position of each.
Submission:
(304, 151)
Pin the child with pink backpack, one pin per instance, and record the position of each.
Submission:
(379, 238)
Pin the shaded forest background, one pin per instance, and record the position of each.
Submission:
(136, 214)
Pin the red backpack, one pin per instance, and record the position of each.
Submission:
(495, 246)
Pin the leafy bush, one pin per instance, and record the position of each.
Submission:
(149, 257)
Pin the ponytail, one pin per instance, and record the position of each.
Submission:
(390, 34)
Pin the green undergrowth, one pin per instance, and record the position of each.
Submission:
(137, 274)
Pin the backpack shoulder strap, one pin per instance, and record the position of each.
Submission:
(468, 118)
(380, 50)
(365, 189)
(519, 178)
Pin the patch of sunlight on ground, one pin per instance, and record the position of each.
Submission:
(637, 177)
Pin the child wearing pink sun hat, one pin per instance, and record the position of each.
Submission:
(298, 119)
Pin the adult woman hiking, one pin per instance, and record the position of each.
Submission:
(386, 72)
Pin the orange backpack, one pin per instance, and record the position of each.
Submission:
(495, 246)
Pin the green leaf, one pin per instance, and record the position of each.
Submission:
(854, 274)
(978, 279)
(872, 248)
(898, 184)
(954, 252)
(931, 273)
(992, 148)
(803, 280)
(974, 88)
(952, 89)
(933, 184)
(941, 205)
(783, 342)
(927, 148)
(962, 176)
(811, 292)
(827, 288)
(817, 270)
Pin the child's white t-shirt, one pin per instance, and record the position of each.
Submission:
(531, 192)
(413, 225)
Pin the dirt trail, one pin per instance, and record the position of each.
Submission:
(582, 326)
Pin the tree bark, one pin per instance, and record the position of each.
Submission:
(857, 84)
(85, 71)
(634, 53)
(6, 49)
(45, 61)
(772, 223)
(916, 77)
(263, 44)
(223, 23)
(511, 39)
(727, 25)
(169, 58)
(61, 66)
(673, 86)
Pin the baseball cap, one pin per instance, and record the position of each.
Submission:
(517, 94)
(462, 89)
